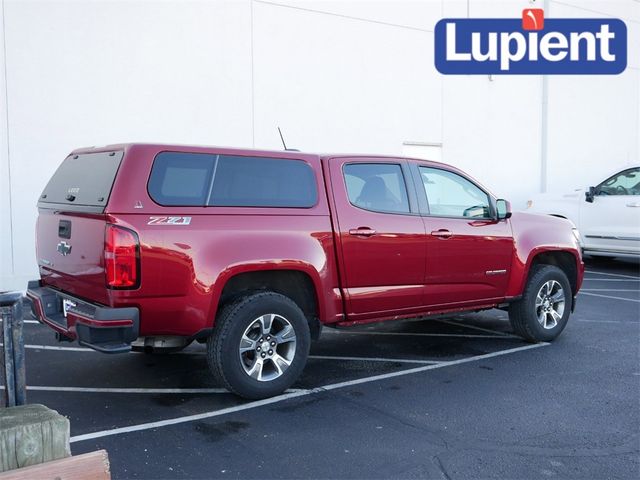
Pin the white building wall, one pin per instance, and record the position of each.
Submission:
(7, 279)
(354, 76)
(335, 82)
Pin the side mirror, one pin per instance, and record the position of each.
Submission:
(503, 209)
(590, 194)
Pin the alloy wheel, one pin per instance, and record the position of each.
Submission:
(550, 304)
(267, 347)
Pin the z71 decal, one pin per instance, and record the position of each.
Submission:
(169, 221)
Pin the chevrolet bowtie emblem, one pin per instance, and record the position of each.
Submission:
(64, 248)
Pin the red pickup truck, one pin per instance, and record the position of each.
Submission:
(149, 247)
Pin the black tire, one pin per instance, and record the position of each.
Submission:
(523, 314)
(223, 354)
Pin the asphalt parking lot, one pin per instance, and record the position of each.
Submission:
(451, 398)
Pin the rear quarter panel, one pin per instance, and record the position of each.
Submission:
(183, 271)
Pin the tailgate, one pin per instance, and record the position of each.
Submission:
(70, 250)
(70, 232)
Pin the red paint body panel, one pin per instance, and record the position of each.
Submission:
(382, 274)
(183, 273)
(82, 270)
(399, 272)
(535, 234)
(457, 266)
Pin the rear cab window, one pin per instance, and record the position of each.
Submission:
(82, 182)
(195, 179)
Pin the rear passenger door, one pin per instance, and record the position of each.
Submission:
(380, 236)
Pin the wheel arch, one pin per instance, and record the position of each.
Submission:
(564, 260)
(300, 283)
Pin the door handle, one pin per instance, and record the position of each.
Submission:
(442, 233)
(635, 204)
(362, 232)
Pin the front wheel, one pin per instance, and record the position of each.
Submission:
(260, 345)
(543, 311)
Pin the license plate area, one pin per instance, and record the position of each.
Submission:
(67, 305)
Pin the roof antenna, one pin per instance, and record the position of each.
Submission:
(282, 138)
(284, 144)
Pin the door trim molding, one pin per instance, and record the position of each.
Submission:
(613, 237)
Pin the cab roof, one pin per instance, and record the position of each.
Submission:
(241, 151)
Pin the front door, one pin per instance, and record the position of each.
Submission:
(468, 251)
(380, 237)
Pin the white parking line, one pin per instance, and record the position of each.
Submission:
(318, 357)
(47, 388)
(607, 290)
(411, 334)
(25, 321)
(54, 347)
(350, 359)
(586, 279)
(287, 396)
(603, 321)
(431, 367)
(612, 274)
(373, 359)
(608, 296)
(51, 347)
(473, 327)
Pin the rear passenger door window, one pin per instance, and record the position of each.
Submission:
(379, 187)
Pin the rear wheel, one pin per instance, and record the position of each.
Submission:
(543, 311)
(260, 345)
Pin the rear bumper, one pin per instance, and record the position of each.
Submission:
(107, 330)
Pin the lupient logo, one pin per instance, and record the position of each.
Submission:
(532, 19)
(532, 45)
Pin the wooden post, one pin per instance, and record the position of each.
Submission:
(32, 434)
(14, 374)
(89, 466)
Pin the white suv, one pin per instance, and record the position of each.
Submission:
(607, 215)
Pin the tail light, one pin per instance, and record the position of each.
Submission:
(121, 257)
